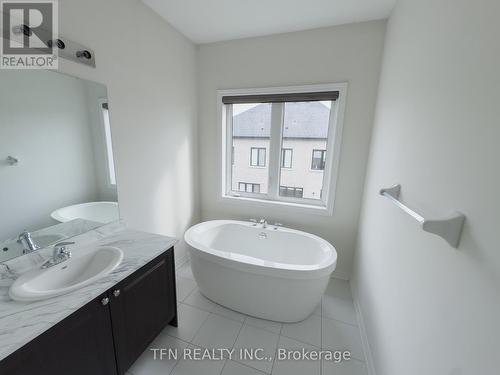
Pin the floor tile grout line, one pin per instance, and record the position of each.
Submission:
(238, 335)
(277, 348)
(252, 368)
(264, 372)
(234, 343)
(225, 359)
(321, 337)
(301, 341)
(224, 366)
(265, 329)
(197, 307)
(215, 312)
(198, 330)
(187, 295)
(341, 321)
(182, 264)
(202, 347)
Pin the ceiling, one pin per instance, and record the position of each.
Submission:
(206, 21)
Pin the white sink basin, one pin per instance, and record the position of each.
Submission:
(67, 276)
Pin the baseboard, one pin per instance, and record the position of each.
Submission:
(370, 368)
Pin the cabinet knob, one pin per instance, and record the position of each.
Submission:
(105, 301)
(116, 292)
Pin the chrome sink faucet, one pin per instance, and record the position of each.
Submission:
(27, 241)
(263, 222)
(59, 254)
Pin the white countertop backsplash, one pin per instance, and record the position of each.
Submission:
(20, 322)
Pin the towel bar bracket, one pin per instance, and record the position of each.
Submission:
(449, 228)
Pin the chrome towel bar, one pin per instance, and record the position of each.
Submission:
(449, 228)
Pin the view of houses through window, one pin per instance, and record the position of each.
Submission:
(249, 187)
(303, 148)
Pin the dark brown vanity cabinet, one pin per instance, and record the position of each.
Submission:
(81, 344)
(139, 309)
(108, 334)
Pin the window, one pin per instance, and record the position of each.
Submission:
(249, 141)
(286, 157)
(249, 187)
(318, 160)
(288, 191)
(291, 134)
(257, 157)
(109, 145)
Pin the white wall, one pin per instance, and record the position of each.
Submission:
(45, 124)
(150, 72)
(428, 308)
(344, 53)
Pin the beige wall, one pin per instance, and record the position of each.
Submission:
(242, 171)
(349, 53)
(150, 71)
(300, 175)
(428, 308)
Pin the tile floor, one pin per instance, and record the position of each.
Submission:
(205, 324)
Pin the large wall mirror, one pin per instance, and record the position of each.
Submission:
(57, 175)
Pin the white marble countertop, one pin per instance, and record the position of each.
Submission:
(21, 322)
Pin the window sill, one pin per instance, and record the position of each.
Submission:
(256, 202)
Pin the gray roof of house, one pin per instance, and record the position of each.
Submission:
(302, 120)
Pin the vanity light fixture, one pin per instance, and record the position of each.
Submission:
(74, 51)
(66, 48)
(84, 54)
(58, 42)
(22, 29)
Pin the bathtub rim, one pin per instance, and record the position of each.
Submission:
(248, 263)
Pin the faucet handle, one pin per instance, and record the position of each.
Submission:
(22, 235)
(61, 246)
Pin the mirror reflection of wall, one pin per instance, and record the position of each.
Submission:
(57, 174)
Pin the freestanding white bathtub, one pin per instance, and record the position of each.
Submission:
(100, 212)
(276, 274)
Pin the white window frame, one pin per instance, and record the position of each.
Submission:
(108, 147)
(259, 149)
(322, 206)
(246, 185)
(292, 187)
(283, 153)
(312, 159)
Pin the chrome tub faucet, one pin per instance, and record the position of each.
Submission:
(59, 254)
(27, 241)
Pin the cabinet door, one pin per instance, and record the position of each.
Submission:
(141, 306)
(81, 344)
